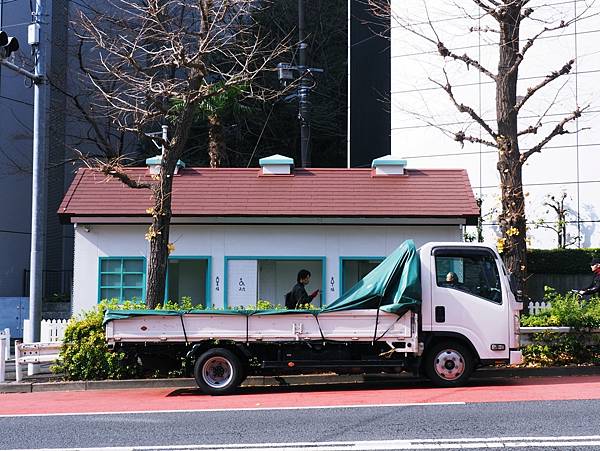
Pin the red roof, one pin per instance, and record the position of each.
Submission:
(228, 192)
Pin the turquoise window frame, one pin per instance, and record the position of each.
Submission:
(121, 287)
(343, 259)
(207, 281)
(228, 258)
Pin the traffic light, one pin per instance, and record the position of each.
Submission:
(8, 44)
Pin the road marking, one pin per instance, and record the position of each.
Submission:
(242, 409)
(424, 444)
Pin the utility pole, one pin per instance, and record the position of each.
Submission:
(304, 103)
(38, 39)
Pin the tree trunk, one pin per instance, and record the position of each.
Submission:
(158, 235)
(216, 142)
(512, 218)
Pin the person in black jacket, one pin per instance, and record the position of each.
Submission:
(298, 296)
(594, 287)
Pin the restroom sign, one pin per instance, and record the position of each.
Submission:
(242, 282)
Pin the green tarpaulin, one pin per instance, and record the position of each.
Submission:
(394, 286)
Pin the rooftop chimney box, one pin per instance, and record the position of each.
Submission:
(155, 162)
(276, 165)
(388, 165)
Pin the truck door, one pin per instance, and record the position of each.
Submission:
(467, 299)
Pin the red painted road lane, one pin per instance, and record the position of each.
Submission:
(538, 389)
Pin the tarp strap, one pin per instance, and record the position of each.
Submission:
(377, 320)
(247, 327)
(388, 329)
(183, 327)
(316, 315)
(376, 324)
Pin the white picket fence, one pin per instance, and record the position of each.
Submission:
(538, 307)
(53, 330)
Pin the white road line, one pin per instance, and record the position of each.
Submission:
(420, 444)
(234, 409)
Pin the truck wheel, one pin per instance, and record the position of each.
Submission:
(448, 364)
(218, 371)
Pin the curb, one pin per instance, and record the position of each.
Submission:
(293, 380)
(553, 371)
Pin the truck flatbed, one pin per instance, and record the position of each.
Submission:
(178, 327)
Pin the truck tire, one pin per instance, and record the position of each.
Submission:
(448, 364)
(218, 371)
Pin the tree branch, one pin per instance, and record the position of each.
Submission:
(112, 168)
(443, 51)
(491, 10)
(565, 70)
(526, 12)
(464, 108)
(558, 130)
(534, 128)
(461, 138)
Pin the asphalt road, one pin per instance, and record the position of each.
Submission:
(476, 420)
(439, 420)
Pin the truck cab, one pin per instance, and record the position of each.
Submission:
(467, 300)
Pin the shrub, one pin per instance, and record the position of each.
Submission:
(567, 310)
(85, 355)
(552, 349)
(184, 304)
(577, 347)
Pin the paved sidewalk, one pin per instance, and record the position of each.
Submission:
(46, 381)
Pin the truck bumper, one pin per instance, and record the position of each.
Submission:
(516, 357)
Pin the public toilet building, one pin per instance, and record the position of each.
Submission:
(243, 234)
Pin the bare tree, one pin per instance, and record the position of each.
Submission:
(557, 205)
(155, 62)
(507, 17)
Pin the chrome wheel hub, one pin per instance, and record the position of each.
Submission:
(217, 372)
(449, 364)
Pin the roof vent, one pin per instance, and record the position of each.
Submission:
(155, 162)
(276, 165)
(389, 165)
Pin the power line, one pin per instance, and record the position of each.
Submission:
(16, 100)
(15, 232)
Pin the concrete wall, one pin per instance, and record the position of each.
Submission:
(569, 163)
(288, 243)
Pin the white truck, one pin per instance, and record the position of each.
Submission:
(441, 311)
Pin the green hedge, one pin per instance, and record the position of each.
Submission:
(560, 261)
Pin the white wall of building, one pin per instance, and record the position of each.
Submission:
(569, 163)
(254, 241)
